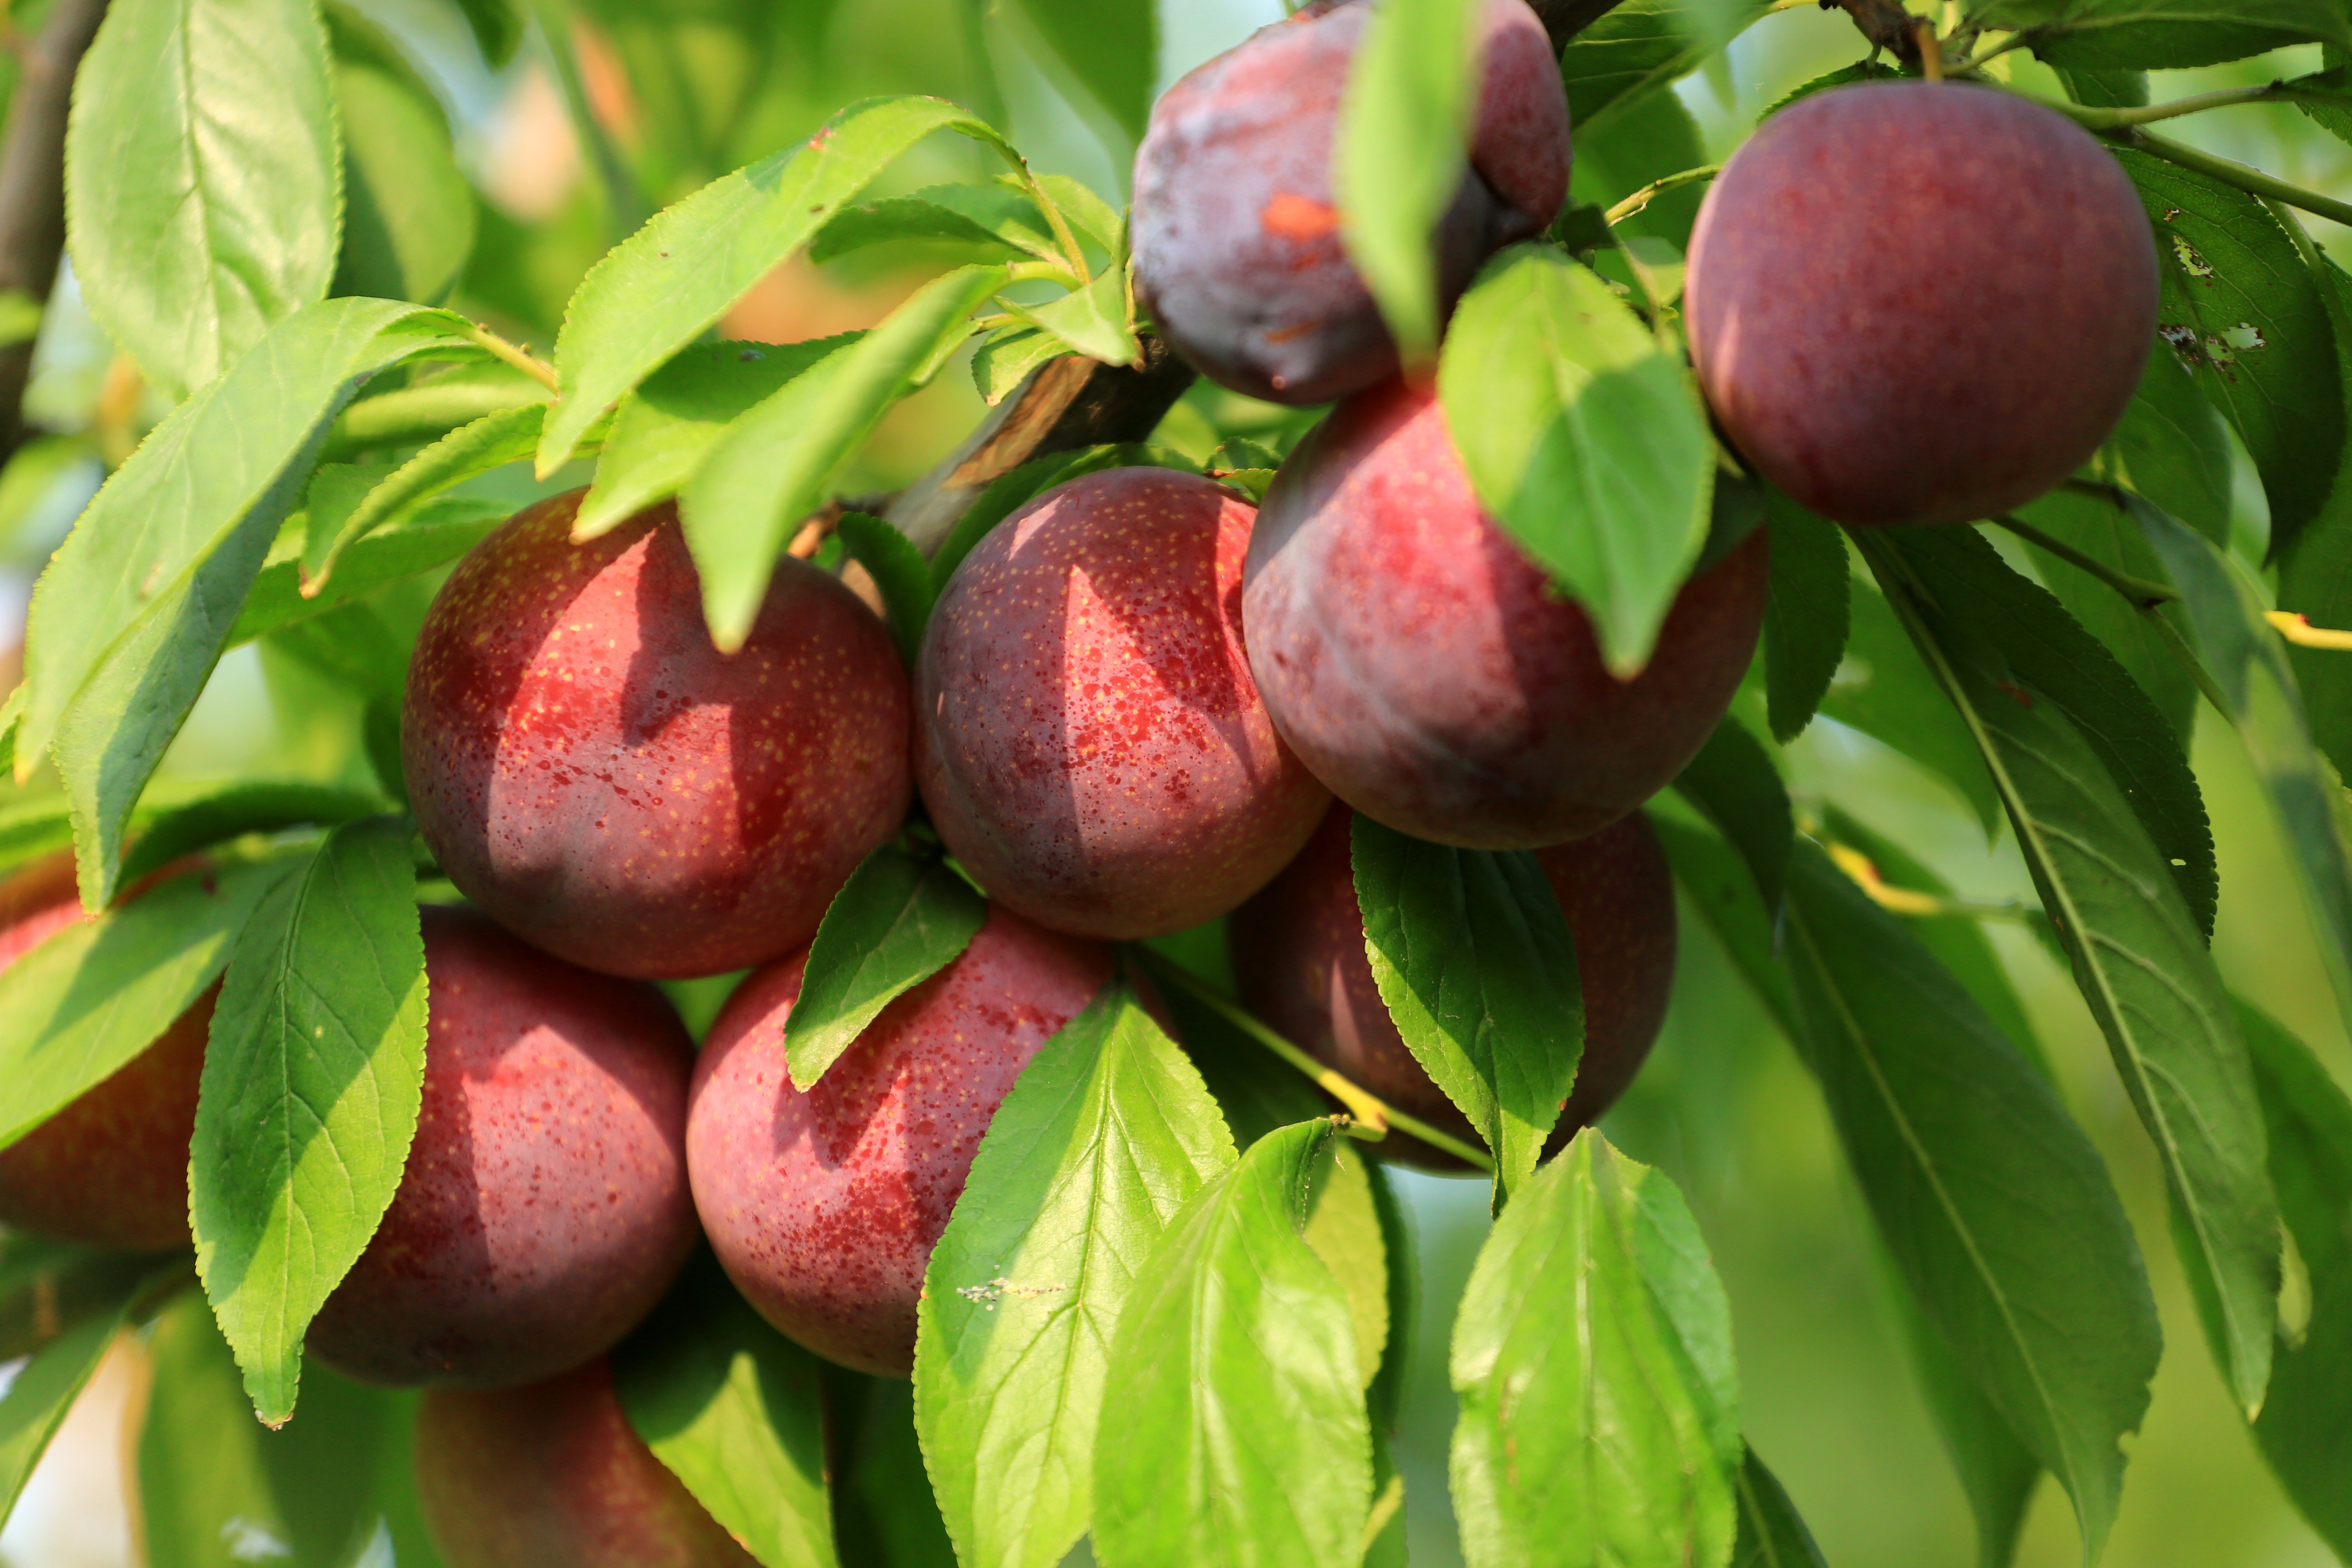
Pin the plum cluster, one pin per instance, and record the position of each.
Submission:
(1141, 704)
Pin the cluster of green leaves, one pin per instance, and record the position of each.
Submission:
(1185, 1231)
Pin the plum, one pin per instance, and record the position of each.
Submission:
(111, 1167)
(592, 772)
(824, 1206)
(1423, 668)
(1238, 249)
(1920, 303)
(553, 1476)
(1089, 740)
(1299, 960)
(544, 1207)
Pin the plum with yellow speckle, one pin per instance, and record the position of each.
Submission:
(824, 1205)
(111, 1167)
(1238, 253)
(1089, 739)
(544, 1207)
(595, 774)
(553, 1476)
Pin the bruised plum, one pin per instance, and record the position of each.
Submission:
(603, 782)
(1089, 740)
(1423, 668)
(551, 1475)
(1919, 302)
(544, 1207)
(823, 1206)
(1237, 229)
(111, 1167)
(1298, 952)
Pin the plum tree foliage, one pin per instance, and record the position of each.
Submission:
(1413, 512)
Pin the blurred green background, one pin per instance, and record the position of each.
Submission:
(1723, 1106)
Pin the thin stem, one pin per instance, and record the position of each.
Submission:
(1656, 188)
(2297, 629)
(2149, 114)
(1365, 1106)
(1910, 901)
(1931, 52)
(2143, 593)
(1976, 61)
(538, 370)
(1042, 271)
(1062, 235)
(2230, 172)
(2172, 640)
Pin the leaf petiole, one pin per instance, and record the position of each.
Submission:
(1375, 1115)
(2142, 593)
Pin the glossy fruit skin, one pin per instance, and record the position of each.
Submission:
(544, 1207)
(111, 1167)
(824, 1206)
(1917, 302)
(551, 1475)
(1298, 959)
(1090, 741)
(1422, 666)
(590, 771)
(1236, 227)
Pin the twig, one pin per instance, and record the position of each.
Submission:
(2229, 172)
(2149, 114)
(2142, 593)
(521, 359)
(2168, 634)
(1656, 188)
(2296, 628)
(33, 184)
(1864, 873)
(1886, 23)
(1066, 403)
(1366, 1107)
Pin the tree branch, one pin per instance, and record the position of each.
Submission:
(1068, 403)
(33, 184)
(1885, 22)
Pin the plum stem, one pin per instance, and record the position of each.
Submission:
(1656, 188)
(1931, 52)
(1366, 1107)
(522, 359)
(2143, 593)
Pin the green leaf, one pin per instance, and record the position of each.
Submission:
(664, 430)
(999, 224)
(1091, 320)
(1808, 616)
(1254, 1091)
(1007, 354)
(733, 1408)
(1105, 1136)
(232, 810)
(136, 604)
(1583, 437)
(771, 467)
(895, 922)
(2173, 449)
(434, 533)
(2044, 647)
(353, 647)
(1399, 154)
(1346, 1228)
(1474, 958)
(2315, 569)
(2136, 34)
(2302, 1430)
(318, 1471)
(899, 570)
(1599, 1421)
(1640, 47)
(1233, 1326)
(1999, 1212)
(94, 996)
(884, 1511)
(312, 1082)
(663, 287)
(45, 1388)
(2246, 316)
(1656, 136)
(2129, 634)
(205, 1494)
(2250, 670)
(1735, 782)
(490, 442)
(202, 187)
(1771, 1534)
(1112, 49)
(496, 26)
(48, 1286)
(1882, 689)
(2139, 956)
(408, 217)
(1024, 484)
(1997, 1472)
